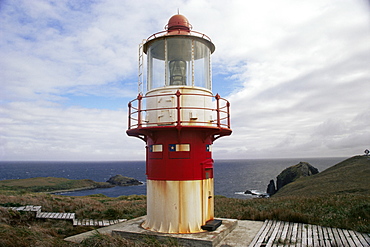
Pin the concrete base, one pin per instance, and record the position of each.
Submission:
(231, 233)
(133, 231)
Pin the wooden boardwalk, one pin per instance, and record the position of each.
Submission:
(36, 210)
(280, 233)
(56, 216)
(91, 222)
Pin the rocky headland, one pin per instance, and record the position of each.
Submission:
(291, 174)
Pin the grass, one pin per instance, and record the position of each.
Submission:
(348, 211)
(49, 184)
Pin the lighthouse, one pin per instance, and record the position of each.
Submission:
(179, 118)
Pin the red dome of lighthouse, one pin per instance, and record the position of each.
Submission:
(178, 22)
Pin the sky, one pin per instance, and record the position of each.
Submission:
(297, 75)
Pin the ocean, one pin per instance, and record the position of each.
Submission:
(231, 177)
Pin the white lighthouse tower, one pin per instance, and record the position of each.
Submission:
(179, 119)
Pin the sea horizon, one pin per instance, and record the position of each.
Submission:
(231, 176)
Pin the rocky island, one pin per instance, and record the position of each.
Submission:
(120, 180)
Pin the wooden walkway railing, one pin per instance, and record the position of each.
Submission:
(36, 210)
(280, 233)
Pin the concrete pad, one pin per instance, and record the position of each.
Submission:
(207, 238)
(231, 233)
(243, 234)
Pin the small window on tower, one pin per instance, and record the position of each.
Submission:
(156, 148)
(209, 148)
(179, 147)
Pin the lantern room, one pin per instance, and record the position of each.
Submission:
(178, 58)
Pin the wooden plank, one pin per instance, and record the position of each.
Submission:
(271, 240)
(367, 237)
(342, 237)
(259, 234)
(284, 230)
(329, 237)
(258, 239)
(46, 214)
(288, 237)
(40, 215)
(320, 236)
(268, 232)
(315, 238)
(294, 236)
(348, 236)
(362, 239)
(354, 238)
(304, 235)
(279, 233)
(309, 235)
(337, 237)
(299, 235)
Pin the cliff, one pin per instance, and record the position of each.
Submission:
(350, 176)
(291, 174)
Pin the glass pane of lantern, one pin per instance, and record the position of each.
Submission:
(156, 65)
(179, 61)
(201, 65)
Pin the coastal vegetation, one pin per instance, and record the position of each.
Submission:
(49, 184)
(337, 197)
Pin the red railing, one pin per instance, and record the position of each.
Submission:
(136, 112)
(191, 32)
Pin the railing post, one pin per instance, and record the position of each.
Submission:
(178, 94)
(129, 115)
(139, 98)
(228, 114)
(217, 97)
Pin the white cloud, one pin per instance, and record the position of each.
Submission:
(297, 72)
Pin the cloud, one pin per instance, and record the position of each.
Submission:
(36, 132)
(296, 74)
